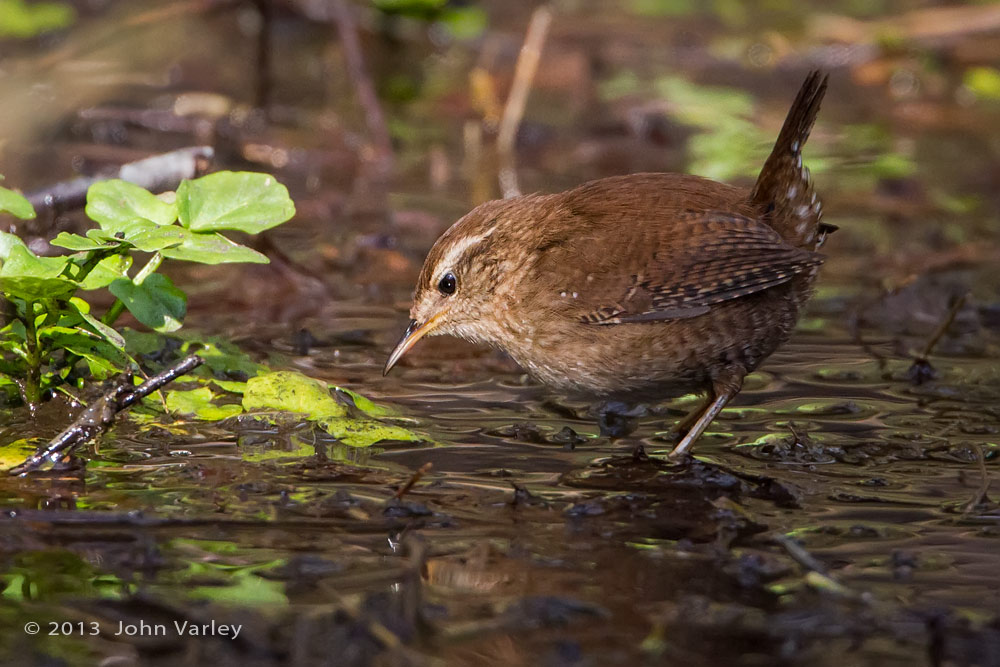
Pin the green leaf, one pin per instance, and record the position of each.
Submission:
(20, 19)
(77, 242)
(198, 403)
(103, 358)
(142, 342)
(231, 386)
(124, 233)
(99, 327)
(291, 392)
(16, 330)
(15, 203)
(212, 249)
(983, 81)
(158, 238)
(246, 589)
(107, 271)
(204, 248)
(465, 23)
(366, 405)
(366, 432)
(7, 242)
(14, 453)
(117, 205)
(156, 302)
(245, 201)
(263, 452)
(26, 276)
(414, 7)
(224, 358)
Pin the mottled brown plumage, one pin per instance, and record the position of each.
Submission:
(637, 287)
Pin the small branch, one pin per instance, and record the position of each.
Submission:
(157, 174)
(946, 323)
(981, 496)
(417, 475)
(517, 99)
(347, 28)
(800, 555)
(921, 369)
(101, 414)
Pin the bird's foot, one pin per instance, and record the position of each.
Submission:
(619, 420)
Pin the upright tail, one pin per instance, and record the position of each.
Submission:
(784, 191)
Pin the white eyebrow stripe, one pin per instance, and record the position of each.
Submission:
(450, 259)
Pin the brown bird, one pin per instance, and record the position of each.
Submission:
(640, 287)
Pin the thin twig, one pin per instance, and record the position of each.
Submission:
(921, 370)
(414, 478)
(101, 414)
(800, 555)
(157, 174)
(946, 323)
(347, 28)
(517, 99)
(817, 574)
(984, 485)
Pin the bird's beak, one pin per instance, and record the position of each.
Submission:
(414, 332)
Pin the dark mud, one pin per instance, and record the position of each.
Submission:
(840, 512)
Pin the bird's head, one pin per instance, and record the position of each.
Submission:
(471, 265)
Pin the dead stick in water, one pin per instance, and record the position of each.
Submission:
(984, 485)
(157, 174)
(921, 370)
(943, 327)
(101, 414)
(420, 472)
(517, 99)
(799, 554)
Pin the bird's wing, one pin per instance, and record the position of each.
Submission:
(704, 259)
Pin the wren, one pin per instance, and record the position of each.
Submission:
(636, 288)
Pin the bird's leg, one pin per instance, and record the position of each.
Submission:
(723, 389)
(681, 428)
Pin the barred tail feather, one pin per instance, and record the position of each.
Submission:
(784, 191)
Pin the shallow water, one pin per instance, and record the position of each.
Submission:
(838, 513)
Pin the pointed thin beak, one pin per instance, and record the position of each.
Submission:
(413, 333)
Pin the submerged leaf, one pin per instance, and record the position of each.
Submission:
(17, 451)
(366, 405)
(224, 358)
(366, 432)
(198, 403)
(293, 392)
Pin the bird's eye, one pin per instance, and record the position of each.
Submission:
(448, 284)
